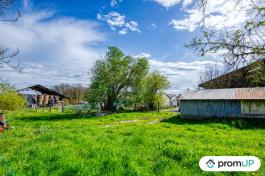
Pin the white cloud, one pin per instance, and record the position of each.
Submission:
(48, 75)
(171, 3)
(190, 23)
(153, 25)
(182, 75)
(146, 55)
(114, 19)
(114, 3)
(168, 3)
(123, 31)
(118, 22)
(187, 3)
(218, 15)
(133, 26)
(60, 47)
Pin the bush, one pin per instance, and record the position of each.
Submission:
(10, 100)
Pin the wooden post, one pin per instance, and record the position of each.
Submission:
(63, 107)
(158, 107)
(3, 120)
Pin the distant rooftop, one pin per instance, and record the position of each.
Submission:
(226, 94)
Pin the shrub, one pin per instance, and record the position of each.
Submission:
(10, 100)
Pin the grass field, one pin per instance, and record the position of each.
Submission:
(123, 144)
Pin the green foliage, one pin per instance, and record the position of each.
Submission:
(156, 83)
(115, 77)
(123, 81)
(256, 74)
(10, 100)
(123, 144)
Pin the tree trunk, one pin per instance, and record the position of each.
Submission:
(151, 106)
(109, 106)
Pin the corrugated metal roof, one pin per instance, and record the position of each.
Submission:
(226, 94)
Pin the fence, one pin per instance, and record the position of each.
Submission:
(84, 108)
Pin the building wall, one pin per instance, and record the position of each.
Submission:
(165, 101)
(253, 107)
(199, 109)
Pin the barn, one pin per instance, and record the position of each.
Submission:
(223, 103)
(239, 78)
(40, 95)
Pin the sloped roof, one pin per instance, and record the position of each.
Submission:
(226, 94)
(43, 90)
(234, 79)
(29, 92)
(171, 95)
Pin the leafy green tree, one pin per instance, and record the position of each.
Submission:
(115, 78)
(10, 100)
(156, 84)
(256, 74)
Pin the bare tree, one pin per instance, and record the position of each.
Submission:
(6, 8)
(241, 46)
(75, 92)
(210, 72)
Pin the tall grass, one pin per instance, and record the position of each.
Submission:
(122, 144)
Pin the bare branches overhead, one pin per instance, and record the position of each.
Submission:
(240, 46)
(7, 7)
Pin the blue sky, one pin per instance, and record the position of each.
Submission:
(60, 40)
(155, 36)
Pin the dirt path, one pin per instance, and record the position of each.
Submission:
(144, 119)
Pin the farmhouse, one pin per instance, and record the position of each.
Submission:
(40, 95)
(223, 103)
(171, 100)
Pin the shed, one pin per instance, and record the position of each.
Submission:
(223, 103)
(40, 94)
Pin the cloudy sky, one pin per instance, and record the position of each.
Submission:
(60, 40)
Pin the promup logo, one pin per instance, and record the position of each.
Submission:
(230, 163)
(210, 163)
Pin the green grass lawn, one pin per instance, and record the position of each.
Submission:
(123, 144)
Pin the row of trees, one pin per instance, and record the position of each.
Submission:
(75, 92)
(121, 80)
(118, 80)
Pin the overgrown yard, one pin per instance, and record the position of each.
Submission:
(122, 144)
